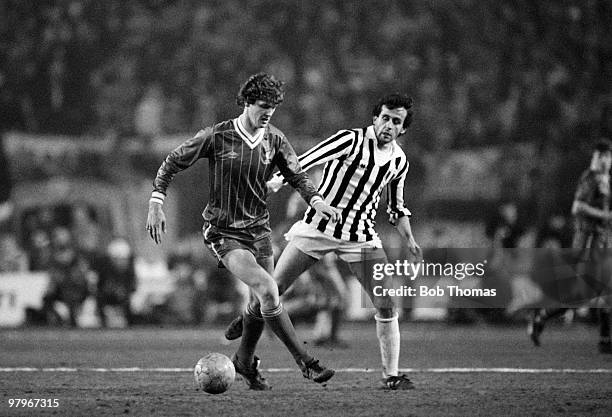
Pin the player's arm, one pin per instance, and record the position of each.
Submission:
(582, 208)
(334, 147)
(399, 215)
(404, 229)
(287, 162)
(584, 195)
(179, 159)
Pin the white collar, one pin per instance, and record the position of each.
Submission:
(252, 141)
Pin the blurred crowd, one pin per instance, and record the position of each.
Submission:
(494, 74)
(68, 244)
(480, 73)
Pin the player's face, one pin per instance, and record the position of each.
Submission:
(259, 113)
(389, 124)
(602, 161)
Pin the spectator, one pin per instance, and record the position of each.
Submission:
(12, 257)
(188, 301)
(116, 280)
(555, 233)
(68, 278)
(86, 230)
(149, 113)
(504, 228)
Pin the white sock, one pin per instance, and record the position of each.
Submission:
(388, 334)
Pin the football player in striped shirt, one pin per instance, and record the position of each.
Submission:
(243, 153)
(359, 165)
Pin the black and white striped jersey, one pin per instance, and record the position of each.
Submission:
(239, 166)
(354, 176)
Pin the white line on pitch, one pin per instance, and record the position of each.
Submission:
(346, 370)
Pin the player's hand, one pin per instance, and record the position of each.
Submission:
(414, 248)
(156, 222)
(327, 212)
(274, 184)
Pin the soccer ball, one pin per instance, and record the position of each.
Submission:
(214, 373)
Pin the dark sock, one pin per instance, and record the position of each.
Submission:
(604, 324)
(252, 327)
(281, 325)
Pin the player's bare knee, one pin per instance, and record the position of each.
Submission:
(269, 300)
(268, 294)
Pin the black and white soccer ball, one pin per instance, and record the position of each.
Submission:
(214, 373)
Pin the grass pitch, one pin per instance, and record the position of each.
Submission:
(469, 370)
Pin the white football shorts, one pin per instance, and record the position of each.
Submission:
(308, 239)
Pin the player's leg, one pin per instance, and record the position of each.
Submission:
(538, 320)
(291, 264)
(605, 300)
(245, 361)
(253, 328)
(337, 314)
(329, 276)
(252, 322)
(243, 265)
(387, 321)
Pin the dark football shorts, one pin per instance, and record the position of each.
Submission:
(222, 241)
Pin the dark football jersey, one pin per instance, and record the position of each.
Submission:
(595, 192)
(239, 166)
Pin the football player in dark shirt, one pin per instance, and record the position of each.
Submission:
(243, 153)
(592, 240)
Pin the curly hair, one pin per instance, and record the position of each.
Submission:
(394, 101)
(261, 86)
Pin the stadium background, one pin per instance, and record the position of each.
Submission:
(510, 97)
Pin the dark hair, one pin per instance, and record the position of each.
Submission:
(261, 87)
(394, 101)
(603, 145)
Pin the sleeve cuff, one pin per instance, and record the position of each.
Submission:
(315, 199)
(395, 215)
(157, 197)
(404, 212)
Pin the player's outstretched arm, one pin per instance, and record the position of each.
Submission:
(580, 207)
(332, 148)
(181, 158)
(156, 222)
